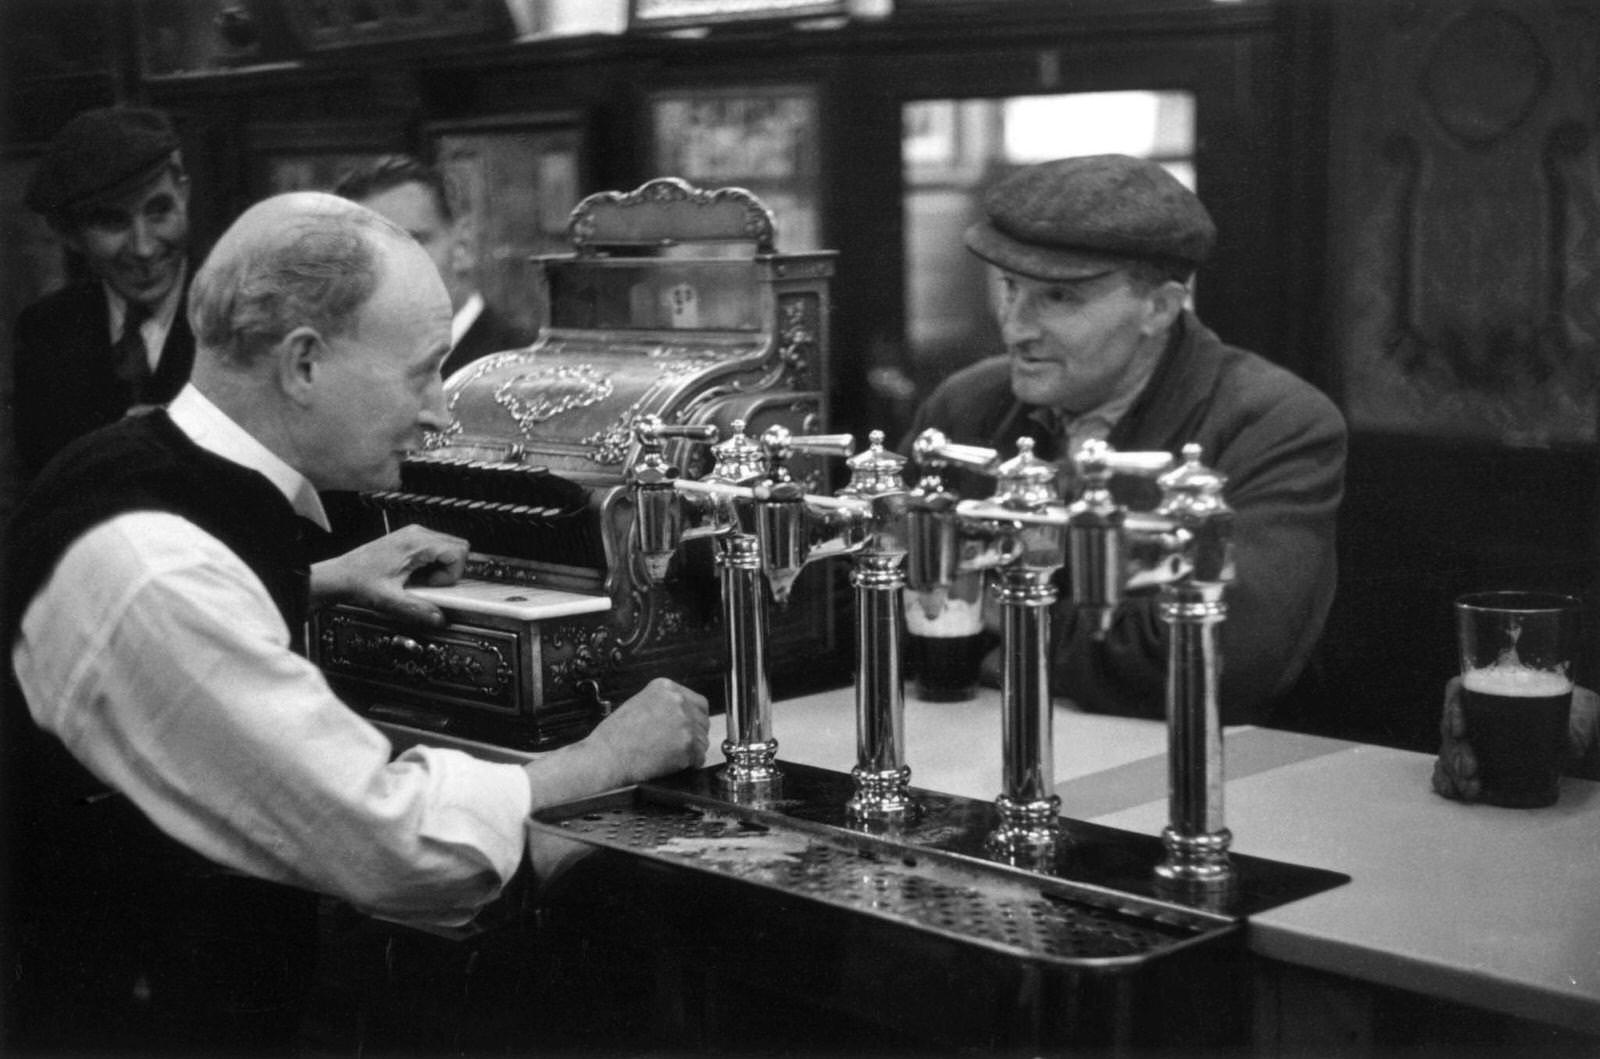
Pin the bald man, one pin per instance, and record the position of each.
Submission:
(181, 781)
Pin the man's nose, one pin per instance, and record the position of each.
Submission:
(1018, 321)
(435, 414)
(143, 239)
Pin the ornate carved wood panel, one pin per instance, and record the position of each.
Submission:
(1465, 218)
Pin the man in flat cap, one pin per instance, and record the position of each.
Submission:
(1091, 258)
(112, 185)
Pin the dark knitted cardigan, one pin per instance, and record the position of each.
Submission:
(116, 935)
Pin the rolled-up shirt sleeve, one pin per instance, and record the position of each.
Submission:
(158, 658)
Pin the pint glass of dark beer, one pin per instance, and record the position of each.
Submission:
(1517, 654)
(944, 649)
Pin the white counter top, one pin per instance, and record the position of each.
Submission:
(954, 747)
(1498, 908)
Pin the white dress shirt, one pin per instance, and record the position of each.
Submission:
(158, 658)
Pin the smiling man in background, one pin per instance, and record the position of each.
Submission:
(1091, 260)
(113, 187)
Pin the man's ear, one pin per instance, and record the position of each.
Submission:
(302, 358)
(1165, 305)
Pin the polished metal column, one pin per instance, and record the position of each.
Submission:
(881, 773)
(1027, 805)
(1193, 607)
(750, 747)
(1195, 839)
(877, 570)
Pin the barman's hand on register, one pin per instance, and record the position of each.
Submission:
(1455, 773)
(375, 575)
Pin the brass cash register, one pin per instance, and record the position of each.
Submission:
(673, 302)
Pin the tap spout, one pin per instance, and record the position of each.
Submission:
(658, 511)
(796, 527)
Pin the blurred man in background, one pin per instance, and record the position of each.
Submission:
(415, 197)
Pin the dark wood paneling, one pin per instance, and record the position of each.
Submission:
(1461, 332)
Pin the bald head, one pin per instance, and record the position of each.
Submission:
(304, 259)
(320, 328)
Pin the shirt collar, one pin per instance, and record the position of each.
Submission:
(210, 427)
(164, 314)
(466, 316)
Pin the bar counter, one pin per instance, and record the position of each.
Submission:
(1491, 916)
(1498, 909)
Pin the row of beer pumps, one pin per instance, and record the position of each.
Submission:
(922, 538)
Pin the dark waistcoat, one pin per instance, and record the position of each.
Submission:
(117, 937)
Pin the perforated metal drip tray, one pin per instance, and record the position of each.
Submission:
(1021, 914)
(932, 870)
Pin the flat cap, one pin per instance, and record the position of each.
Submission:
(96, 152)
(1078, 217)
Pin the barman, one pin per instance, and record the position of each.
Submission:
(1091, 263)
(180, 782)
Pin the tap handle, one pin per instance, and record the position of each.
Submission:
(780, 444)
(651, 431)
(933, 449)
(1097, 461)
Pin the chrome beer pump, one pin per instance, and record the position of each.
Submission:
(866, 521)
(1027, 533)
(882, 777)
(768, 527)
(743, 504)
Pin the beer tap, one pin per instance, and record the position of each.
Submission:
(865, 521)
(1185, 548)
(1193, 603)
(882, 777)
(1027, 518)
(670, 509)
(1182, 547)
(766, 529)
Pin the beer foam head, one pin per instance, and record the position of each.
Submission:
(958, 618)
(1516, 681)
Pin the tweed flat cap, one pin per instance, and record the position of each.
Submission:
(1078, 217)
(96, 152)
